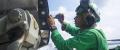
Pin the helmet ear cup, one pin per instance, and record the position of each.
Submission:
(90, 20)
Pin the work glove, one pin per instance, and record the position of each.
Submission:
(60, 17)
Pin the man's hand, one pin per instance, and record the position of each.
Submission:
(51, 22)
(60, 17)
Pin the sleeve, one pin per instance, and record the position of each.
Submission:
(82, 41)
(73, 30)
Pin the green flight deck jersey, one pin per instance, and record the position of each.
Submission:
(88, 39)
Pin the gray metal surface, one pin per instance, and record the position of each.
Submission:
(2, 25)
(11, 4)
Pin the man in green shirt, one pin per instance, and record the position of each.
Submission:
(85, 35)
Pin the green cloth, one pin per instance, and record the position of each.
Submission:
(88, 39)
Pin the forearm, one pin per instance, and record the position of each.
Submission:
(59, 41)
(70, 28)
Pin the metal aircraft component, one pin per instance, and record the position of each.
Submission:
(23, 24)
(43, 13)
(11, 4)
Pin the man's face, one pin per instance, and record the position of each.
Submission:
(79, 20)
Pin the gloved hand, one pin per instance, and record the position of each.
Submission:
(60, 17)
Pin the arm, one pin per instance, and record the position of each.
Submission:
(70, 29)
(82, 41)
(67, 27)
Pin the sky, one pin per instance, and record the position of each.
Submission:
(109, 14)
